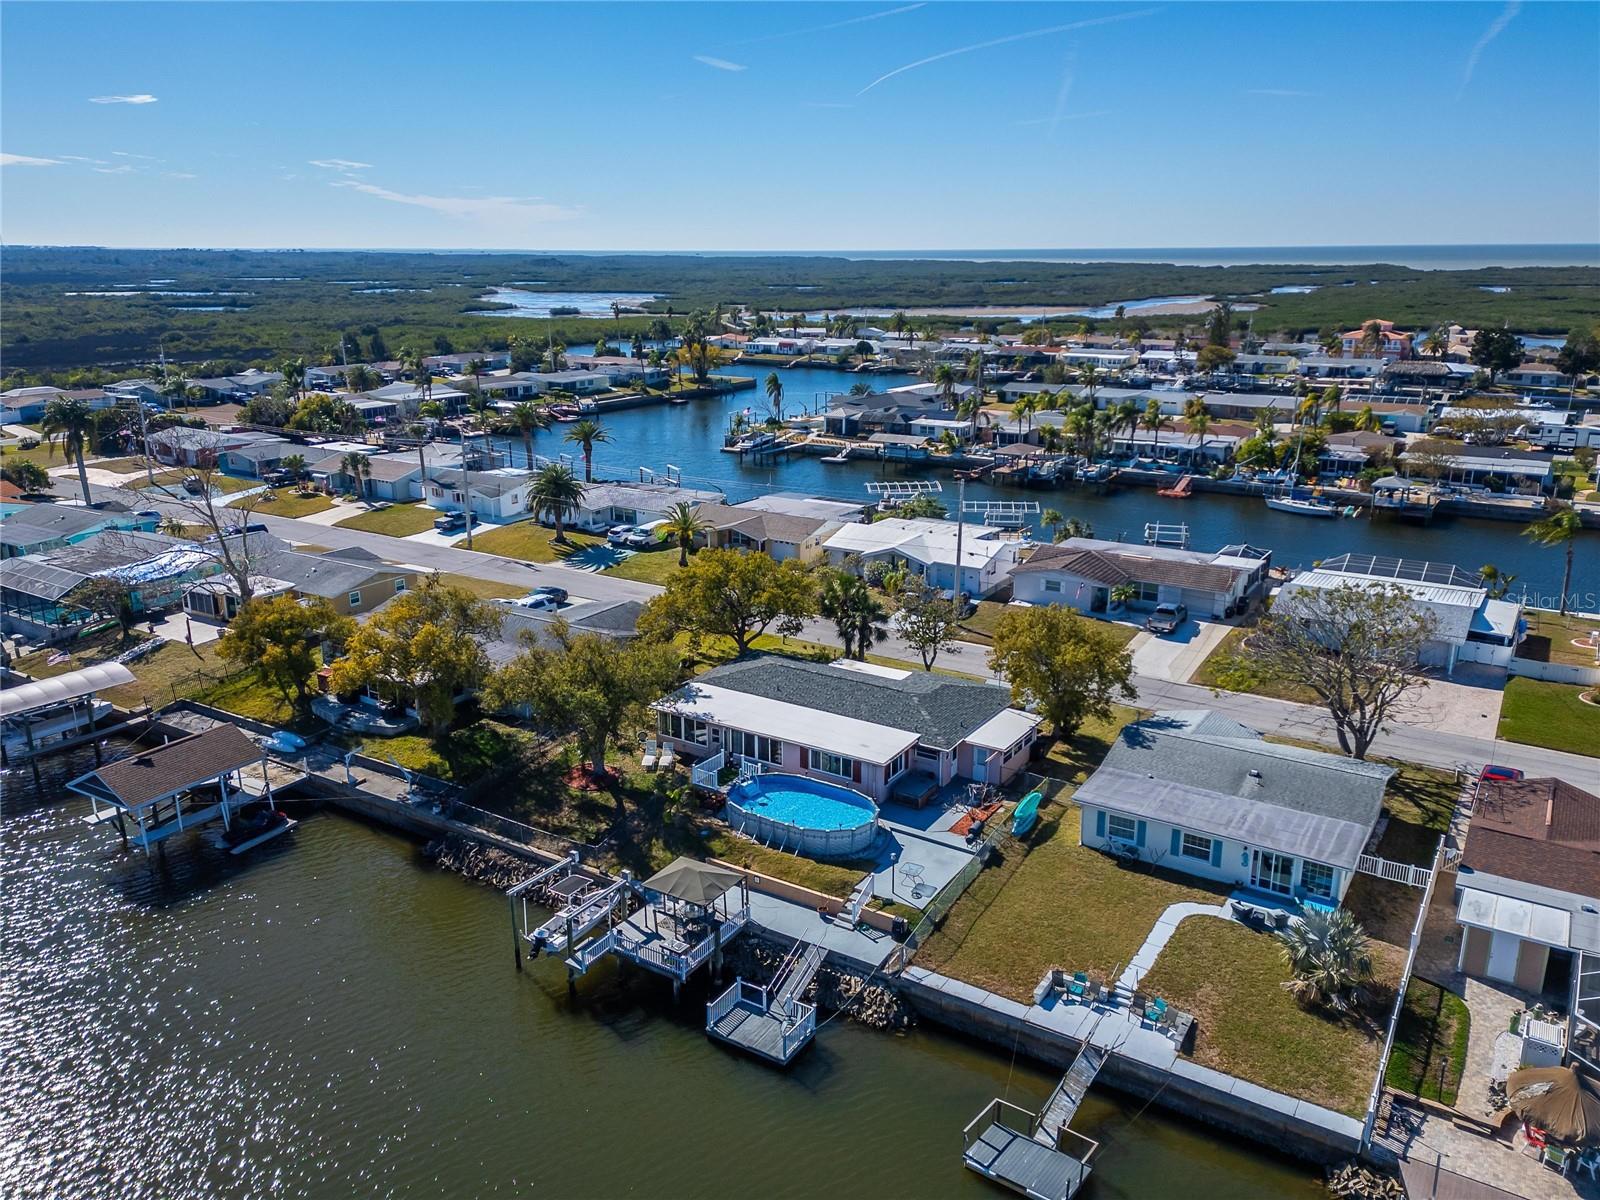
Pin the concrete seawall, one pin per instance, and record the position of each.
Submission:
(1194, 1092)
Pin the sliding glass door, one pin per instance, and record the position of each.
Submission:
(1272, 872)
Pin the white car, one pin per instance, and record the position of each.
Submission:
(538, 601)
(618, 535)
(645, 537)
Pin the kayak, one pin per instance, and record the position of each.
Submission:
(1027, 813)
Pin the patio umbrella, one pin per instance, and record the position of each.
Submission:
(1563, 1103)
(694, 882)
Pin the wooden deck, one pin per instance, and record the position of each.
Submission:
(1003, 1154)
(744, 1016)
(746, 1026)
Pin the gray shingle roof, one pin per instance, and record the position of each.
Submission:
(321, 574)
(940, 710)
(1203, 771)
(1111, 567)
(187, 762)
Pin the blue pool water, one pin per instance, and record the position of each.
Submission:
(803, 803)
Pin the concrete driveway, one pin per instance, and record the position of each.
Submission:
(1467, 702)
(1176, 657)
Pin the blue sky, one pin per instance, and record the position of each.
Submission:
(799, 126)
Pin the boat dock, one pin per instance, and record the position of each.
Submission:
(1008, 1144)
(771, 1022)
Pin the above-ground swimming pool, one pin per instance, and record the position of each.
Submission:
(797, 813)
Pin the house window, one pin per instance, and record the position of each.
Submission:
(750, 745)
(1196, 846)
(1149, 593)
(1120, 828)
(900, 764)
(832, 764)
(399, 586)
(355, 599)
(1052, 585)
(1316, 880)
(684, 729)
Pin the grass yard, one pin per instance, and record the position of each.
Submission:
(46, 455)
(1074, 759)
(398, 520)
(1537, 713)
(980, 626)
(1214, 672)
(291, 502)
(529, 541)
(1231, 979)
(830, 878)
(820, 652)
(1055, 903)
(647, 566)
(1430, 1044)
(120, 466)
(228, 485)
(484, 589)
(1550, 637)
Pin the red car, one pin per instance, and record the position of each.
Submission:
(1494, 774)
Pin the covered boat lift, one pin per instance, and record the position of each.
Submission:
(48, 713)
(146, 790)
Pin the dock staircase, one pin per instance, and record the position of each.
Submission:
(1064, 1102)
(771, 1022)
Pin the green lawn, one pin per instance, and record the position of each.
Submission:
(1055, 903)
(530, 541)
(836, 879)
(648, 566)
(1550, 637)
(122, 466)
(821, 652)
(1537, 713)
(1430, 1044)
(398, 520)
(172, 481)
(484, 589)
(1072, 760)
(980, 626)
(1232, 652)
(45, 454)
(1231, 978)
(291, 502)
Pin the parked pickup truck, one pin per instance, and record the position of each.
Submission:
(1167, 618)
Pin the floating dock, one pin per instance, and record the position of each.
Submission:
(770, 1022)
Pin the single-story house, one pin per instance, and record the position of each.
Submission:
(497, 495)
(1536, 374)
(928, 548)
(878, 730)
(223, 388)
(1469, 625)
(626, 503)
(778, 535)
(1517, 470)
(329, 378)
(578, 383)
(1081, 572)
(1197, 792)
(1323, 367)
(1528, 896)
(25, 406)
(258, 458)
(457, 364)
(616, 619)
(795, 504)
(354, 581)
(185, 446)
(621, 370)
(408, 397)
(41, 527)
(374, 410)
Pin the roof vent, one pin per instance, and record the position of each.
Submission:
(1254, 774)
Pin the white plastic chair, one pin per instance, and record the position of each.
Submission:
(651, 755)
(667, 758)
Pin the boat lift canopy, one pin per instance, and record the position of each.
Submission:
(74, 685)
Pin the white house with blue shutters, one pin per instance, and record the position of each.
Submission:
(1197, 792)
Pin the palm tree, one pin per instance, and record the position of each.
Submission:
(1154, 420)
(1123, 595)
(1329, 956)
(1022, 412)
(296, 464)
(683, 523)
(415, 360)
(585, 434)
(1105, 425)
(527, 417)
(1052, 520)
(556, 494)
(172, 525)
(1371, 343)
(294, 375)
(848, 602)
(1200, 425)
(1080, 424)
(555, 358)
(1076, 527)
(476, 367)
(944, 382)
(1558, 529)
(974, 372)
(774, 387)
(70, 420)
(359, 468)
(1367, 420)
(898, 324)
(1496, 581)
(1090, 378)
(1436, 343)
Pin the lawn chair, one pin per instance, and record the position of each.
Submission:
(1136, 1005)
(1534, 1143)
(1590, 1162)
(651, 755)
(1557, 1159)
(1156, 1012)
(1078, 985)
(667, 759)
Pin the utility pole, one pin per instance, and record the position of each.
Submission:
(961, 525)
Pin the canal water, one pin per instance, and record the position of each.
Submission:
(689, 437)
(328, 1017)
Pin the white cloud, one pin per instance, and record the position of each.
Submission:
(493, 209)
(339, 164)
(1496, 28)
(25, 160)
(720, 64)
(119, 169)
(80, 158)
(140, 98)
(1003, 41)
(130, 154)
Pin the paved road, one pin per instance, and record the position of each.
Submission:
(1411, 743)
